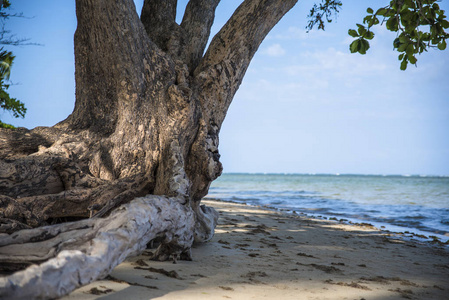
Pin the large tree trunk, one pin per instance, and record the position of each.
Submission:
(149, 108)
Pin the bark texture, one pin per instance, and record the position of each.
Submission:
(73, 248)
(149, 107)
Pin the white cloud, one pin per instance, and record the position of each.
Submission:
(275, 50)
(338, 62)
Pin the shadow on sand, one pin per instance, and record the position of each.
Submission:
(258, 254)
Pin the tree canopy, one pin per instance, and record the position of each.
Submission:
(420, 25)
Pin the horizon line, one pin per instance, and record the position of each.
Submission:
(335, 174)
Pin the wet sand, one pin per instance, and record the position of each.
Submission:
(263, 254)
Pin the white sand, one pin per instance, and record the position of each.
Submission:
(262, 254)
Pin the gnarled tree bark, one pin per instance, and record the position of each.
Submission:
(149, 108)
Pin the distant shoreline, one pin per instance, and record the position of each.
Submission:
(400, 233)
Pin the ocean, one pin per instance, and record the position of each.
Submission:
(415, 204)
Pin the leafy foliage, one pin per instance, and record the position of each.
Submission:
(13, 105)
(419, 24)
(5, 4)
(16, 107)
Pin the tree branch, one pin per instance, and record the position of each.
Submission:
(197, 22)
(110, 42)
(231, 50)
(159, 19)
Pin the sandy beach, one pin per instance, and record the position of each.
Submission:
(263, 254)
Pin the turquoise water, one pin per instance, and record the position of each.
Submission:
(400, 203)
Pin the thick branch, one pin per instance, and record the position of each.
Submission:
(231, 50)
(114, 61)
(159, 19)
(218, 77)
(197, 22)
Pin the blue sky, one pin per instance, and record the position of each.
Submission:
(306, 104)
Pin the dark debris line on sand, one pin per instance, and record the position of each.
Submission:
(171, 274)
(111, 278)
(352, 284)
(96, 291)
(142, 265)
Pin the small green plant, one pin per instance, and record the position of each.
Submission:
(7, 103)
(13, 105)
(7, 126)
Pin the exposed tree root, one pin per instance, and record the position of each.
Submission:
(84, 251)
(79, 202)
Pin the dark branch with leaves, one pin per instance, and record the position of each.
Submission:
(323, 13)
(419, 24)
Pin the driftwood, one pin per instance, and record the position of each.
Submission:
(88, 250)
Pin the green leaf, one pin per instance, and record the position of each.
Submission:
(412, 59)
(362, 30)
(354, 46)
(410, 3)
(402, 47)
(369, 35)
(442, 45)
(382, 11)
(353, 33)
(369, 10)
(445, 24)
(401, 56)
(410, 49)
(364, 46)
(403, 38)
(407, 15)
(439, 29)
(392, 24)
(367, 20)
(404, 65)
